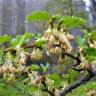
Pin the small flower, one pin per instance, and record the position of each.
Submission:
(58, 50)
(7, 68)
(48, 33)
(36, 54)
(9, 77)
(23, 58)
(62, 60)
(70, 37)
(37, 80)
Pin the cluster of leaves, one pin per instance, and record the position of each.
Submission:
(16, 52)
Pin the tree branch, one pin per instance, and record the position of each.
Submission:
(73, 57)
(84, 80)
(78, 70)
(69, 55)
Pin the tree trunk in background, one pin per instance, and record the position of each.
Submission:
(0, 17)
(71, 7)
(94, 4)
(13, 13)
(6, 17)
(30, 7)
(33, 5)
(93, 10)
(14, 17)
(20, 16)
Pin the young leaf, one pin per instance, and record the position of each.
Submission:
(38, 35)
(72, 21)
(57, 79)
(21, 39)
(93, 36)
(91, 53)
(4, 38)
(37, 16)
(44, 67)
(34, 67)
(80, 41)
(1, 55)
(56, 17)
(40, 42)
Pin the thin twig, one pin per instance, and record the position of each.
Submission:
(69, 55)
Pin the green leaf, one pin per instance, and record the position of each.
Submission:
(72, 21)
(34, 67)
(86, 34)
(90, 54)
(93, 36)
(57, 79)
(72, 75)
(4, 38)
(44, 68)
(1, 55)
(21, 39)
(40, 42)
(10, 90)
(80, 41)
(38, 15)
(38, 35)
(56, 17)
(49, 82)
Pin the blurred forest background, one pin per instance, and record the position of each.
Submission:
(13, 13)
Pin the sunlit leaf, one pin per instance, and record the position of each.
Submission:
(44, 67)
(34, 67)
(38, 36)
(40, 42)
(79, 40)
(38, 15)
(21, 39)
(1, 55)
(57, 79)
(72, 21)
(93, 36)
(4, 38)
